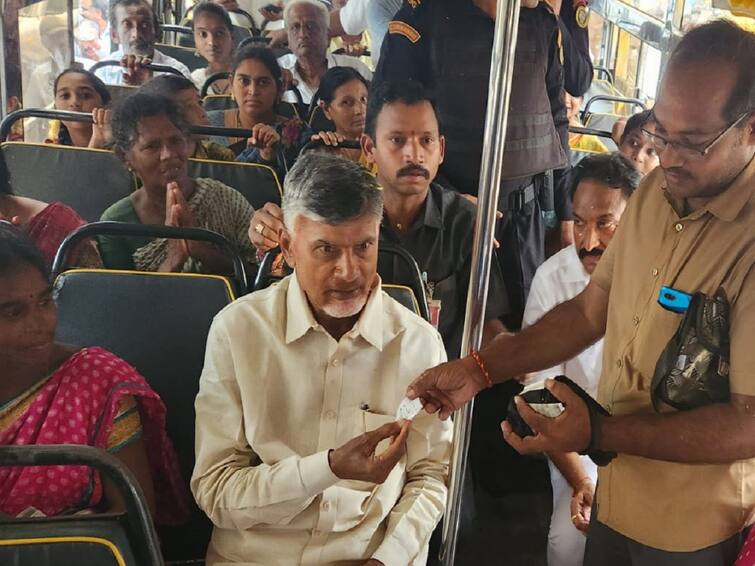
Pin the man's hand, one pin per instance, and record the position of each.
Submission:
(278, 37)
(266, 139)
(567, 233)
(356, 460)
(271, 16)
(447, 387)
(265, 226)
(134, 72)
(568, 432)
(288, 80)
(581, 505)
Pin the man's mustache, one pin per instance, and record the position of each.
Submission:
(597, 252)
(411, 170)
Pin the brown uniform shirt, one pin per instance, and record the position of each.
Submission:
(665, 505)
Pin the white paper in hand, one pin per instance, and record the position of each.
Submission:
(408, 409)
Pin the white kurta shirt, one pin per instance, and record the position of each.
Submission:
(289, 62)
(277, 392)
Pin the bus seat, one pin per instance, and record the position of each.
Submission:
(186, 55)
(404, 296)
(107, 539)
(88, 180)
(158, 322)
(319, 122)
(218, 102)
(258, 183)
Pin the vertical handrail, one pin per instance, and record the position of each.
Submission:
(499, 91)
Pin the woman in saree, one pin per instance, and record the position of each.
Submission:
(52, 393)
(150, 136)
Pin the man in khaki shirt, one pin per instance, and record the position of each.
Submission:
(299, 457)
(682, 489)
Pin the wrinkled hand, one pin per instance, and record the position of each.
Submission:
(230, 5)
(498, 214)
(102, 133)
(266, 139)
(567, 233)
(270, 218)
(568, 432)
(177, 250)
(288, 80)
(270, 16)
(278, 37)
(331, 139)
(447, 387)
(134, 72)
(581, 505)
(356, 460)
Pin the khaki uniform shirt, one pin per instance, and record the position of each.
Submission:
(672, 506)
(277, 392)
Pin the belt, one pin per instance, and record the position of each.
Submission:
(519, 198)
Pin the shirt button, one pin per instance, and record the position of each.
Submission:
(330, 414)
(316, 533)
(679, 227)
(619, 363)
(636, 320)
(335, 362)
(325, 506)
(655, 272)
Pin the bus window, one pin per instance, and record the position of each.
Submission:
(654, 8)
(627, 63)
(650, 72)
(698, 12)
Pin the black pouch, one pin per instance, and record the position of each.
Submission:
(693, 369)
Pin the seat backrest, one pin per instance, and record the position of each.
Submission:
(403, 295)
(158, 322)
(258, 183)
(88, 180)
(397, 267)
(186, 55)
(319, 122)
(218, 102)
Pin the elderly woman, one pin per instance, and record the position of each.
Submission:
(48, 396)
(150, 136)
(213, 36)
(77, 90)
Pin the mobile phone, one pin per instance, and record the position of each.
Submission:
(674, 300)
(273, 8)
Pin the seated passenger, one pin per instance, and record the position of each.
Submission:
(307, 23)
(77, 90)
(45, 224)
(52, 393)
(183, 92)
(257, 86)
(150, 137)
(636, 145)
(580, 142)
(134, 26)
(299, 391)
(342, 96)
(602, 184)
(213, 36)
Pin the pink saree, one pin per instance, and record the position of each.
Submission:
(79, 404)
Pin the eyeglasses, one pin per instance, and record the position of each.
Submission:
(660, 143)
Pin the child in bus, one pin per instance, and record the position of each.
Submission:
(636, 145)
(45, 224)
(183, 92)
(77, 90)
(52, 393)
(150, 136)
(213, 36)
(257, 87)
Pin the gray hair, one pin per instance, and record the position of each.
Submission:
(322, 10)
(330, 189)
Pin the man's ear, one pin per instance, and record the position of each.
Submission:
(368, 147)
(284, 239)
(442, 141)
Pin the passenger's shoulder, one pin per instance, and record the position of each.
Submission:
(120, 211)
(414, 13)
(454, 203)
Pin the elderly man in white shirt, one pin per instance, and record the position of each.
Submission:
(134, 27)
(307, 25)
(601, 186)
(299, 457)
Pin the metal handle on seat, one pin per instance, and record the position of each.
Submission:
(149, 231)
(598, 69)
(611, 98)
(137, 513)
(152, 67)
(211, 79)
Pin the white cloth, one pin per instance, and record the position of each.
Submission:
(354, 16)
(276, 393)
(289, 62)
(114, 75)
(560, 279)
(379, 15)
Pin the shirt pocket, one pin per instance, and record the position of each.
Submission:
(356, 500)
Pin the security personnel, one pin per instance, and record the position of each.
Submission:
(447, 45)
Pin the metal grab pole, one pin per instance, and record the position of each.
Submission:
(499, 90)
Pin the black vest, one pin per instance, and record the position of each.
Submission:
(461, 53)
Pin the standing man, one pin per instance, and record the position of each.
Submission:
(602, 185)
(679, 491)
(134, 26)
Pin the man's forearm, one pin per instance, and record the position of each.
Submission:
(560, 335)
(716, 434)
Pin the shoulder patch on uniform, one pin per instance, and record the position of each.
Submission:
(414, 3)
(582, 15)
(402, 28)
